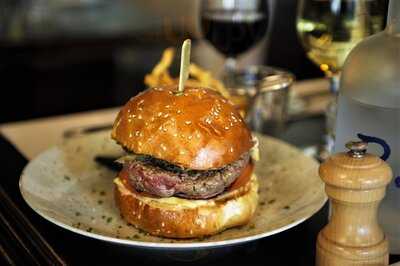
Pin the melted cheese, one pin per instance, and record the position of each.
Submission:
(175, 202)
(254, 151)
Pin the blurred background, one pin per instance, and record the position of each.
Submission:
(65, 56)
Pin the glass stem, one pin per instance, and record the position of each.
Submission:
(334, 83)
(393, 21)
(230, 64)
(230, 69)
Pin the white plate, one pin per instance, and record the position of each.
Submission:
(66, 187)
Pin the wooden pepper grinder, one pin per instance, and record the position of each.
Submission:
(355, 182)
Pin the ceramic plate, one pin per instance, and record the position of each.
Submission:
(66, 187)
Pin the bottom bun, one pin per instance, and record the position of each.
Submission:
(184, 218)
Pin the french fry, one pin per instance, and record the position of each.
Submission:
(198, 77)
(206, 79)
(165, 63)
(160, 75)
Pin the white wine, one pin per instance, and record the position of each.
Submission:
(323, 48)
(328, 33)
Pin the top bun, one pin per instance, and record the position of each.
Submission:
(198, 129)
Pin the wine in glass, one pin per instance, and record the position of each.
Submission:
(329, 30)
(233, 26)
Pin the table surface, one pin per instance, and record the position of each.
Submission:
(295, 246)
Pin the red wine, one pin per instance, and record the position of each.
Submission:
(232, 33)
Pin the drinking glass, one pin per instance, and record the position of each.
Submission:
(233, 27)
(329, 30)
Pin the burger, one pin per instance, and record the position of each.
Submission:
(188, 171)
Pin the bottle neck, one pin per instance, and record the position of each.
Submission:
(393, 20)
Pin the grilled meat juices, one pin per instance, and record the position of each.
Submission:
(188, 172)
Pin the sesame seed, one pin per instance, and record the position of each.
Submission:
(162, 224)
(137, 133)
(167, 106)
(231, 149)
(175, 134)
(226, 128)
(182, 136)
(166, 115)
(231, 124)
(140, 108)
(198, 135)
(178, 111)
(139, 117)
(165, 129)
(139, 143)
(159, 114)
(129, 120)
(188, 122)
(152, 119)
(130, 135)
(181, 152)
(133, 116)
(190, 137)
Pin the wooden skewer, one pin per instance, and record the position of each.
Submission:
(185, 62)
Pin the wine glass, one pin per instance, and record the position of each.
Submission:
(329, 30)
(233, 27)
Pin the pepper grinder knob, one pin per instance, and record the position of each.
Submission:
(355, 183)
(357, 149)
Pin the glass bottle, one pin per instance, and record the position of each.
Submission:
(369, 103)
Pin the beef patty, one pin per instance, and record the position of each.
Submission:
(162, 179)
